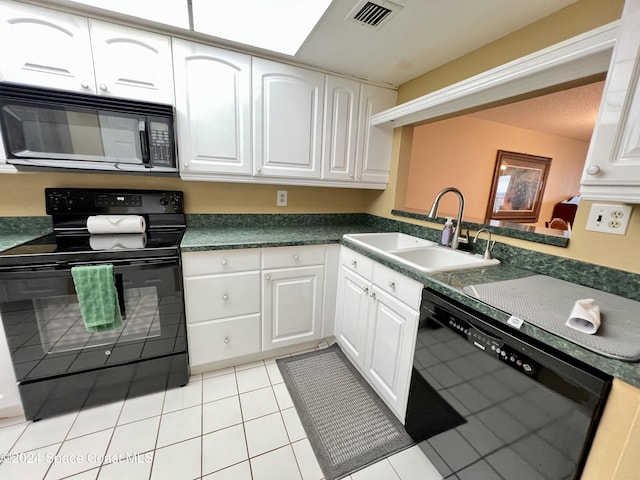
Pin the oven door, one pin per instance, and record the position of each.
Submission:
(46, 334)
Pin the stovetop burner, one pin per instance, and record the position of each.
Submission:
(70, 241)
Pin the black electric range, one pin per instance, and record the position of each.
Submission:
(63, 365)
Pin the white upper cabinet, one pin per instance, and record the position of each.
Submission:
(342, 97)
(287, 135)
(612, 170)
(353, 149)
(213, 105)
(132, 63)
(45, 48)
(56, 50)
(374, 141)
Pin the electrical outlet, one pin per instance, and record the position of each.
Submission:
(281, 199)
(609, 218)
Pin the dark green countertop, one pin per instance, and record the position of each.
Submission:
(228, 237)
(225, 235)
(17, 230)
(215, 232)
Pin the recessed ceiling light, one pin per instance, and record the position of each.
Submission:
(277, 25)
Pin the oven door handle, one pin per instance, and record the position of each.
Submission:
(64, 266)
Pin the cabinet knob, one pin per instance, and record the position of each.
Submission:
(392, 284)
(227, 339)
(103, 87)
(593, 170)
(258, 169)
(267, 277)
(351, 175)
(107, 352)
(366, 290)
(359, 177)
(185, 164)
(84, 85)
(354, 264)
(223, 261)
(373, 295)
(225, 297)
(296, 257)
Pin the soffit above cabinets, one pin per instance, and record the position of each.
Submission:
(415, 37)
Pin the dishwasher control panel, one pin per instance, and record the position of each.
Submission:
(491, 345)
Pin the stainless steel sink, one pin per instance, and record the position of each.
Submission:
(418, 253)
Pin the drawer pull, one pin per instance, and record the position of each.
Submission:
(227, 339)
(392, 284)
(223, 261)
(354, 264)
(366, 290)
(373, 295)
(225, 297)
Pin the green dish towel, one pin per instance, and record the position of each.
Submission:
(97, 296)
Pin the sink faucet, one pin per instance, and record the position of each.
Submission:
(490, 244)
(455, 240)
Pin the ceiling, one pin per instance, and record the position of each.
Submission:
(419, 36)
(569, 113)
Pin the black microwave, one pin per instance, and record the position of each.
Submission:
(53, 129)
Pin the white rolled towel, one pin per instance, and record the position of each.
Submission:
(585, 316)
(125, 241)
(105, 224)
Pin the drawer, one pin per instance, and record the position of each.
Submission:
(298, 256)
(356, 262)
(223, 339)
(405, 289)
(220, 296)
(220, 261)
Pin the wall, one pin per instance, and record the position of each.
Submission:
(23, 194)
(461, 152)
(598, 248)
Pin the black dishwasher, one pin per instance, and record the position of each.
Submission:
(488, 403)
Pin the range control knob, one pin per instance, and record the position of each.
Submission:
(164, 201)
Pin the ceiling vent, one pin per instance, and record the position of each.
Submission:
(373, 14)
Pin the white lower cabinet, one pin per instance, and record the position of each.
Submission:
(223, 339)
(390, 343)
(376, 325)
(222, 304)
(292, 295)
(352, 310)
(292, 306)
(243, 302)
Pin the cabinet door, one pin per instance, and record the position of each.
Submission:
(213, 104)
(340, 128)
(612, 170)
(132, 63)
(292, 306)
(287, 120)
(352, 309)
(374, 142)
(45, 48)
(391, 341)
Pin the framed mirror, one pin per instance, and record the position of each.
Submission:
(518, 187)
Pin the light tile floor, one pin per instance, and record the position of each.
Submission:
(237, 423)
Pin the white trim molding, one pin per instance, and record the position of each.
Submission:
(578, 57)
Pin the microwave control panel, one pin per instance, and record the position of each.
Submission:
(160, 143)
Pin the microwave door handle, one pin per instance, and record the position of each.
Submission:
(144, 141)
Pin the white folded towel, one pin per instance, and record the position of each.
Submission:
(585, 316)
